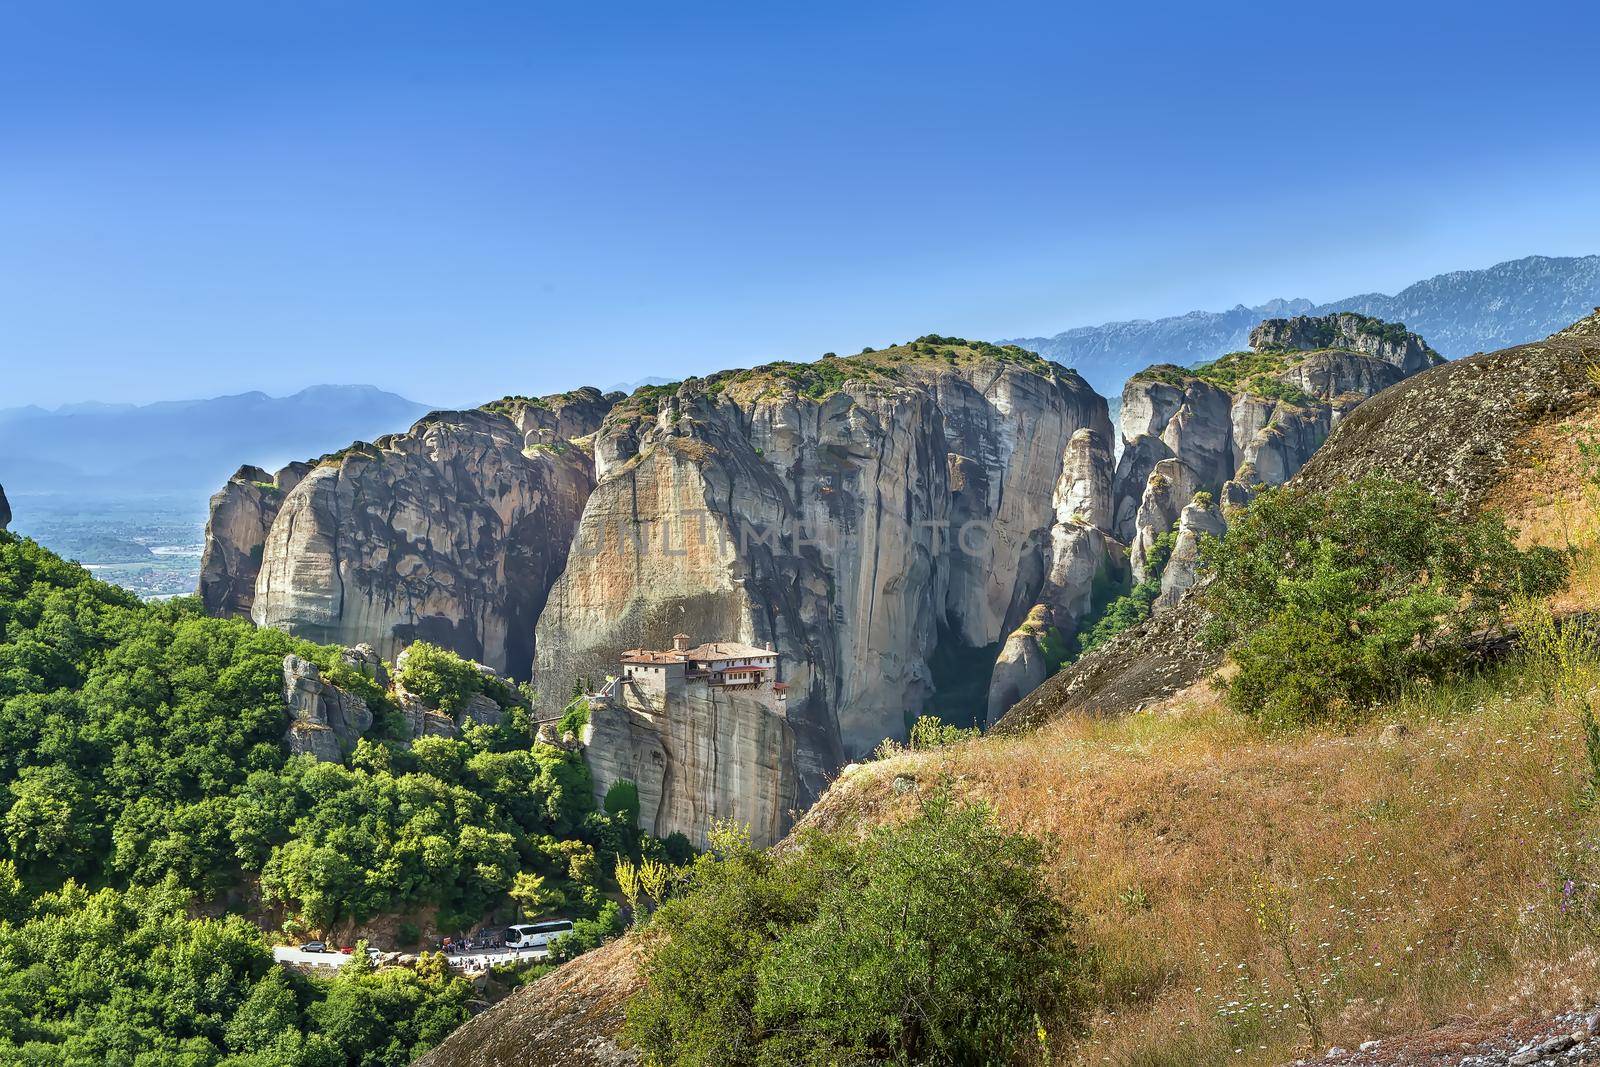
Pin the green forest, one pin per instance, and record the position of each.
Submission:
(155, 834)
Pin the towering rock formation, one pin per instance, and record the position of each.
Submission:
(1086, 562)
(452, 532)
(5, 509)
(1192, 437)
(1246, 419)
(702, 732)
(236, 532)
(866, 515)
(1460, 430)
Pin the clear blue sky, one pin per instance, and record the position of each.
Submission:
(459, 200)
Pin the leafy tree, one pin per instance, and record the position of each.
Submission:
(141, 753)
(936, 941)
(623, 798)
(1331, 601)
(439, 677)
(533, 894)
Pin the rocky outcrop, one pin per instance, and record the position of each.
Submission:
(572, 1017)
(1086, 562)
(5, 510)
(325, 721)
(1200, 518)
(1456, 429)
(452, 532)
(1346, 331)
(1250, 418)
(553, 421)
(866, 515)
(425, 720)
(236, 532)
(698, 754)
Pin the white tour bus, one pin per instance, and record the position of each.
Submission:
(537, 935)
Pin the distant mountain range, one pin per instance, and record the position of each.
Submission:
(191, 446)
(1459, 313)
(186, 445)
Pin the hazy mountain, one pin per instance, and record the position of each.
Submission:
(1459, 313)
(186, 445)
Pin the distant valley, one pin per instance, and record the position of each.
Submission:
(123, 487)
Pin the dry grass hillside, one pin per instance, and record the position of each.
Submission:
(1419, 860)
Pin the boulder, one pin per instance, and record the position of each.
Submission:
(365, 658)
(325, 721)
(481, 710)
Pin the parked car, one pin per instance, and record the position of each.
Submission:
(537, 935)
(314, 946)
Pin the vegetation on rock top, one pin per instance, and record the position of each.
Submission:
(1253, 373)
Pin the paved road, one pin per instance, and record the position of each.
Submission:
(461, 961)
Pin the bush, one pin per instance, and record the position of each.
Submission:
(935, 941)
(1331, 601)
(575, 718)
(930, 731)
(623, 796)
(439, 677)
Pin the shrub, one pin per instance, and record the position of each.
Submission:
(935, 941)
(623, 796)
(930, 731)
(575, 718)
(439, 677)
(1331, 601)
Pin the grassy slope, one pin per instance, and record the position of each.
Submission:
(1422, 871)
(1425, 871)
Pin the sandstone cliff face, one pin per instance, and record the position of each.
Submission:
(698, 754)
(1085, 561)
(1250, 418)
(1199, 519)
(863, 515)
(452, 532)
(236, 532)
